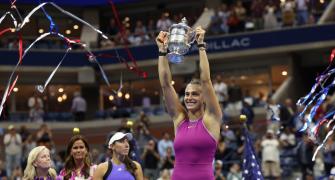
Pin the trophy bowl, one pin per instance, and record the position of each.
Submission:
(181, 36)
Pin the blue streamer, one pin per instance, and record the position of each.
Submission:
(53, 26)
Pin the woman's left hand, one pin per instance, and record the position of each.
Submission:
(200, 35)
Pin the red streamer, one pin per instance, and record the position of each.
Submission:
(332, 55)
(122, 32)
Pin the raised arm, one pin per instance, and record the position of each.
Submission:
(212, 104)
(172, 103)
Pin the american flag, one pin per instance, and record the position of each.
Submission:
(251, 168)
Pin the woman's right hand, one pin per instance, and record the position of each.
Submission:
(162, 41)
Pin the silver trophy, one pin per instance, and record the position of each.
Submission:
(181, 36)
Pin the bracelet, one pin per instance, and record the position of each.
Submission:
(202, 45)
(162, 53)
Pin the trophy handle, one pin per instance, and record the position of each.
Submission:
(191, 37)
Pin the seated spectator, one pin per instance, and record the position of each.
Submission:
(270, 19)
(234, 172)
(224, 13)
(164, 23)
(241, 13)
(288, 12)
(218, 175)
(302, 12)
(141, 31)
(215, 23)
(151, 29)
(257, 11)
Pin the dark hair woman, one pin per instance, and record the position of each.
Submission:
(120, 166)
(78, 161)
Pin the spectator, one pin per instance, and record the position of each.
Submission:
(141, 31)
(270, 155)
(248, 112)
(259, 100)
(164, 144)
(112, 29)
(233, 22)
(305, 152)
(257, 12)
(221, 90)
(288, 13)
(44, 134)
(125, 126)
(165, 175)
(78, 107)
(151, 29)
(286, 113)
(234, 91)
(28, 145)
(302, 11)
(287, 139)
(35, 104)
(13, 150)
(270, 19)
(228, 135)
(17, 173)
(24, 132)
(215, 23)
(167, 161)
(234, 172)
(218, 175)
(332, 172)
(272, 115)
(329, 156)
(151, 160)
(146, 102)
(164, 23)
(224, 14)
(144, 119)
(241, 13)
(142, 136)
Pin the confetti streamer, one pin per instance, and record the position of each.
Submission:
(54, 31)
(325, 82)
(41, 88)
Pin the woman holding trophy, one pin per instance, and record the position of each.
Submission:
(197, 128)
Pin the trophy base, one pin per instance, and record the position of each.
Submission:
(175, 58)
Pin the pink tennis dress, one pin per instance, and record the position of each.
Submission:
(195, 149)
